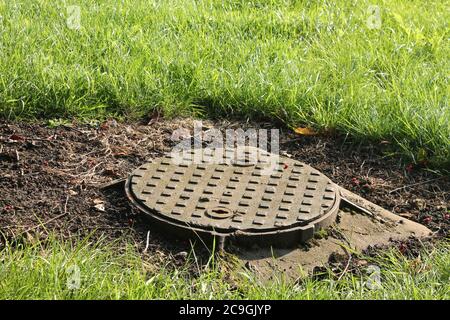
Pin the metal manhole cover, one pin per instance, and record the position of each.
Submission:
(248, 200)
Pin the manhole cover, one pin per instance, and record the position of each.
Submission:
(260, 199)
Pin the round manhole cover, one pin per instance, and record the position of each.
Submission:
(245, 195)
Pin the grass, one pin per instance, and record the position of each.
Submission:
(304, 62)
(50, 271)
(314, 63)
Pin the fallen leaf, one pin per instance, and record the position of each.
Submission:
(98, 201)
(305, 131)
(100, 207)
(120, 151)
(16, 137)
(427, 219)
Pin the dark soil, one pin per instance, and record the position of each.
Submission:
(51, 178)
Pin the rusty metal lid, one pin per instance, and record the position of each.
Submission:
(239, 196)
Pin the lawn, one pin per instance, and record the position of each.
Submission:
(61, 270)
(378, 73)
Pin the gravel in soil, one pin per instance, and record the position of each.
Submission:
(51, 178)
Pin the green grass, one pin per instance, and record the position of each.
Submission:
(304, 62)
(43, 271)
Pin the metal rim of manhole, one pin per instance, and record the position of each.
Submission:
(281, 201)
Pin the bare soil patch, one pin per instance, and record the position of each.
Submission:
(50, 178)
